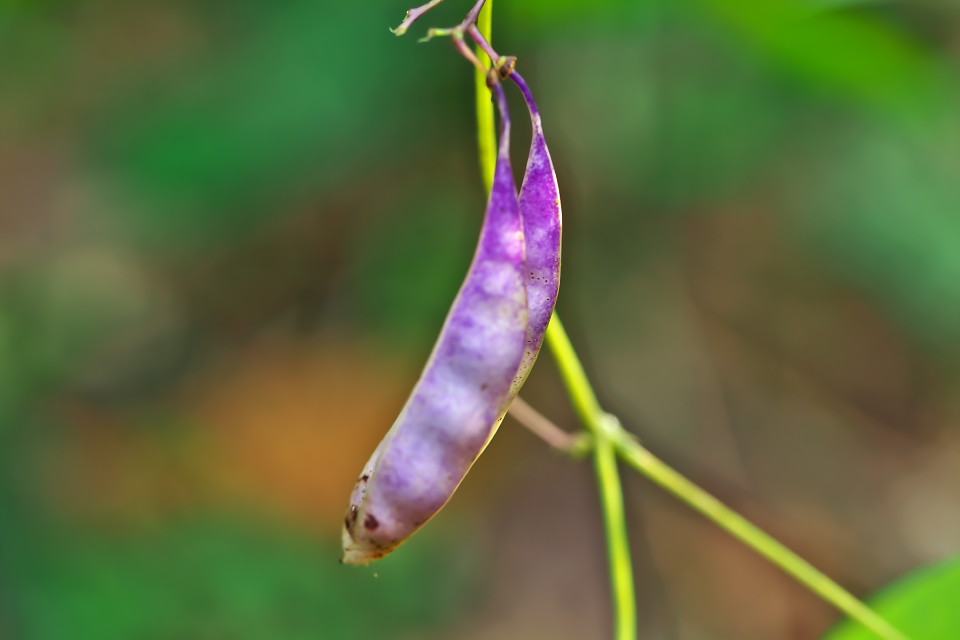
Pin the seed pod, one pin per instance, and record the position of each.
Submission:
(542, 225)
(458, 402)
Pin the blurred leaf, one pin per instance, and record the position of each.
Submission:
(685, 120)
(698, 154)
(407, 271)
(923, 605)
(547, 16)
(881, 203)
(222, 147)
(55, 315)
(227, 579)
(849, 52)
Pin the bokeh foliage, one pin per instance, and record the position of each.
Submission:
(184, 185)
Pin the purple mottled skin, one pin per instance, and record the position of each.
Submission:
(457, 404)
(541, 217)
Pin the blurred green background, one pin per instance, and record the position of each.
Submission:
(229, 233)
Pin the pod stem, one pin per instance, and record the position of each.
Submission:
(416, 13)
(413, 15)
(575, 445)
(611, 440)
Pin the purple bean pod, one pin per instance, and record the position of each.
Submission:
(542, 226)
(466, 385)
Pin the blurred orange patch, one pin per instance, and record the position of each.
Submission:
(278, 427)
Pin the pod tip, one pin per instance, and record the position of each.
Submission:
(358, 553)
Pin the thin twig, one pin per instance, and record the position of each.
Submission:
(575, 444)
(474, 13)
(413, 15)
(466, 51)
(418, 12)
(474, 32)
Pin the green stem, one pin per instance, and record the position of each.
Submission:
(739, 527)
(486, 127)
(618, 542)
(635, 454)
(608, 476)
(610, 438)
(584, 400)
(604, 428)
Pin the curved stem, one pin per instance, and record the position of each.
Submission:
(474, 14)
(637, 456)
(467, 52)
(482, 43)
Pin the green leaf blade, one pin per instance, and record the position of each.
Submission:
(925, 605)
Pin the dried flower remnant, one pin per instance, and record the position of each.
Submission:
(458, 403)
